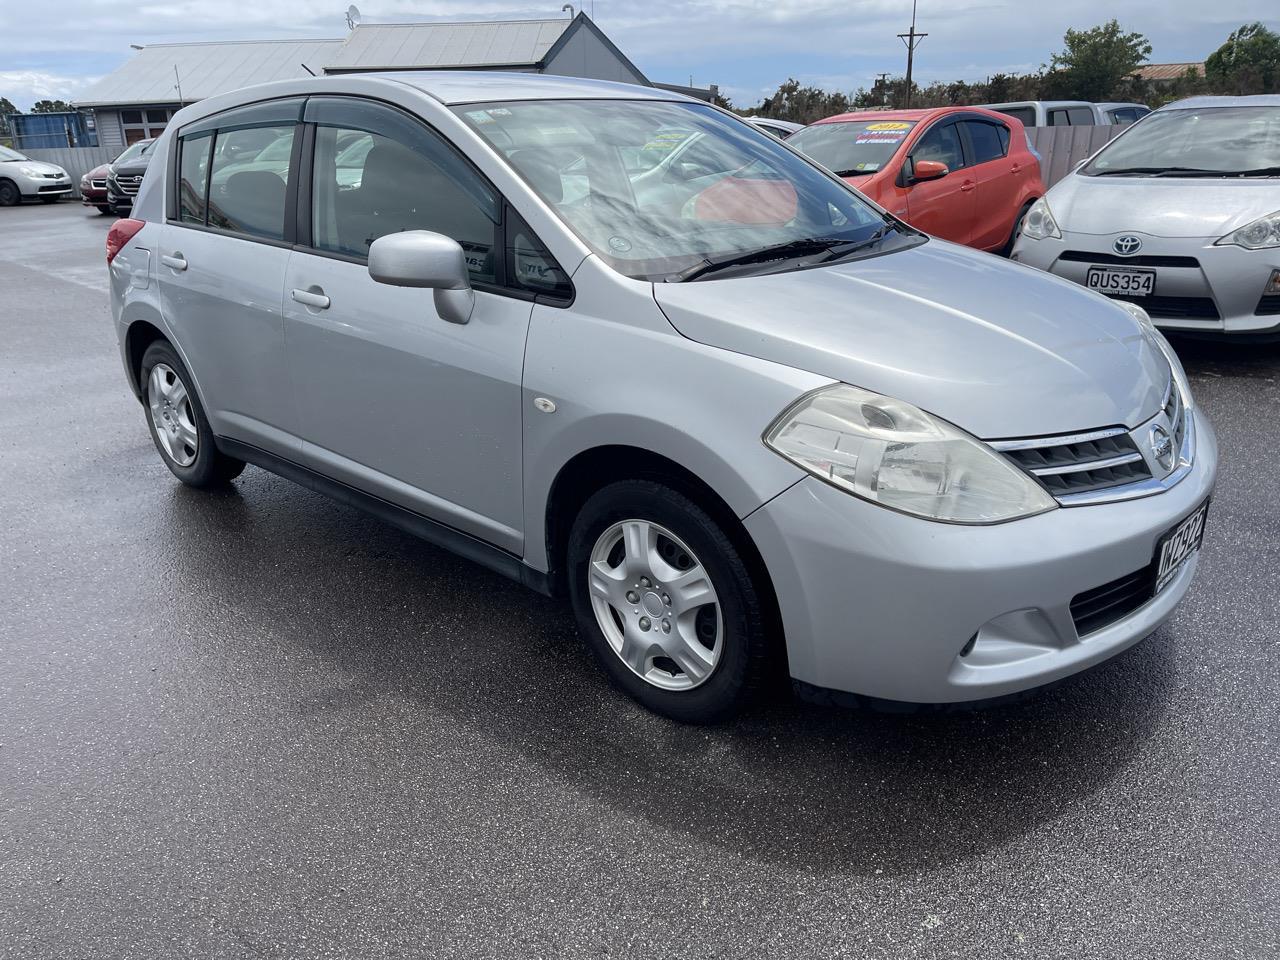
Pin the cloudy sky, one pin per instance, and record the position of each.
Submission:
(746, 46)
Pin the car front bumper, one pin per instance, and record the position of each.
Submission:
(1211, 289)
(881, 604)
(33, 187)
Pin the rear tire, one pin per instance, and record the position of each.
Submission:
(178, 426)
(651, 573)
(9, 194)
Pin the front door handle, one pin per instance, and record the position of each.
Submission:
(311, 298)
(174, 262)
(967, 186)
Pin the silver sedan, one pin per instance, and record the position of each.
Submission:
(1180, 214)
(22, 178)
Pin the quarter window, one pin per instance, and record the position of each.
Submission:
(530, 267)
(1025, 114)
(193, 183)
(377, 172)
(247, 192)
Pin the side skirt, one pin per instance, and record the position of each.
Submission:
(442, 535)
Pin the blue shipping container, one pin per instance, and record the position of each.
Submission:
(35, 131)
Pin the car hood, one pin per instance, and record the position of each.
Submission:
(132, 168)
(1161, 207)
(98, 172)
(996, 348)
(38, 165)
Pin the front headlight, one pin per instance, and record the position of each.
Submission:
(1259, 235)
(30, 172)
(898, 456)
(1039, 224)
(1161, 342)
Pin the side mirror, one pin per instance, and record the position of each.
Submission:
(419, 258)
(922, 170)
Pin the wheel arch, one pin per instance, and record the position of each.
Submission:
(597, 467)
(140, 335)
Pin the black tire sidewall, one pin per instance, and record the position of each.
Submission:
(10, 195)
(735, 677)
(210, 468)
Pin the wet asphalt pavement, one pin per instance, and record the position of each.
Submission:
(258, 724)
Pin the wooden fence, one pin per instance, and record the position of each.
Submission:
(1061, 148)
(77, 161)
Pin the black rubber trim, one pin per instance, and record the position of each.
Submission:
(442, 535)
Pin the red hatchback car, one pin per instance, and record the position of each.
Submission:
(960, 173)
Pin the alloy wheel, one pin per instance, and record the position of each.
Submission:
(172, 416)
(656, 605)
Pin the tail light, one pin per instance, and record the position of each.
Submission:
(121, 232)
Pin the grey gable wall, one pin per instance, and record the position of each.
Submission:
(583, 54)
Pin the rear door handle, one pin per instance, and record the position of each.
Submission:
(967, 186)
(175, 262)
(309, 298)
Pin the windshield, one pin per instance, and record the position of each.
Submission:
(7, 154)
(1215, 141)
(137, 150)
(852, 148)
(660, 190)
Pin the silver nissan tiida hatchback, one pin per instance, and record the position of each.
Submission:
(621, 345)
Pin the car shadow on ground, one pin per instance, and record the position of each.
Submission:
(825, 790)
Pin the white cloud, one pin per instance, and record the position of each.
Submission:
(24, 87)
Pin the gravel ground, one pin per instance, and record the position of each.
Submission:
(258, 724)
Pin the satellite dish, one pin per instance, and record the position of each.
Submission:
(353, 17)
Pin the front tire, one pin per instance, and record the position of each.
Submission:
(666, 602)
(178, 426)
(9, 194)
(1007, 249)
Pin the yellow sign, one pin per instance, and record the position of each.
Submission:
(889, 125)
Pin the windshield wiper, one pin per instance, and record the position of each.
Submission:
(853, 173)
(777, 251)
(1186, 172)
(845, 249)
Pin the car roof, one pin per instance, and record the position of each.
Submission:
(1111, 105)
(927, 113)
(481, 86)
(1047, 104)
(1201, 103)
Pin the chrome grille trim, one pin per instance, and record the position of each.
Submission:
(1034, 443)
(1087, 465)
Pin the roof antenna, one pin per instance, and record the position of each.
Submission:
(569, 7)
(353, 17)
(308, 69)
(177, 83)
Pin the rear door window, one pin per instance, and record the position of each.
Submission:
(986, 141)
(1081, 116)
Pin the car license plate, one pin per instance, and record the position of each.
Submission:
(1124, 281)
(1177, 546)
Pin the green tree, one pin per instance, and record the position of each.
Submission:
(1095, 64)
(6, 108)
(1249, 62)
(800, 104)
(50, 106)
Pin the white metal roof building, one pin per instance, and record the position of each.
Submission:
(137, 100)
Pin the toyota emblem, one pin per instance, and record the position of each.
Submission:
(1127, 245)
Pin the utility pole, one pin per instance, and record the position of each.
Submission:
(882, 82)
(912, 40)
